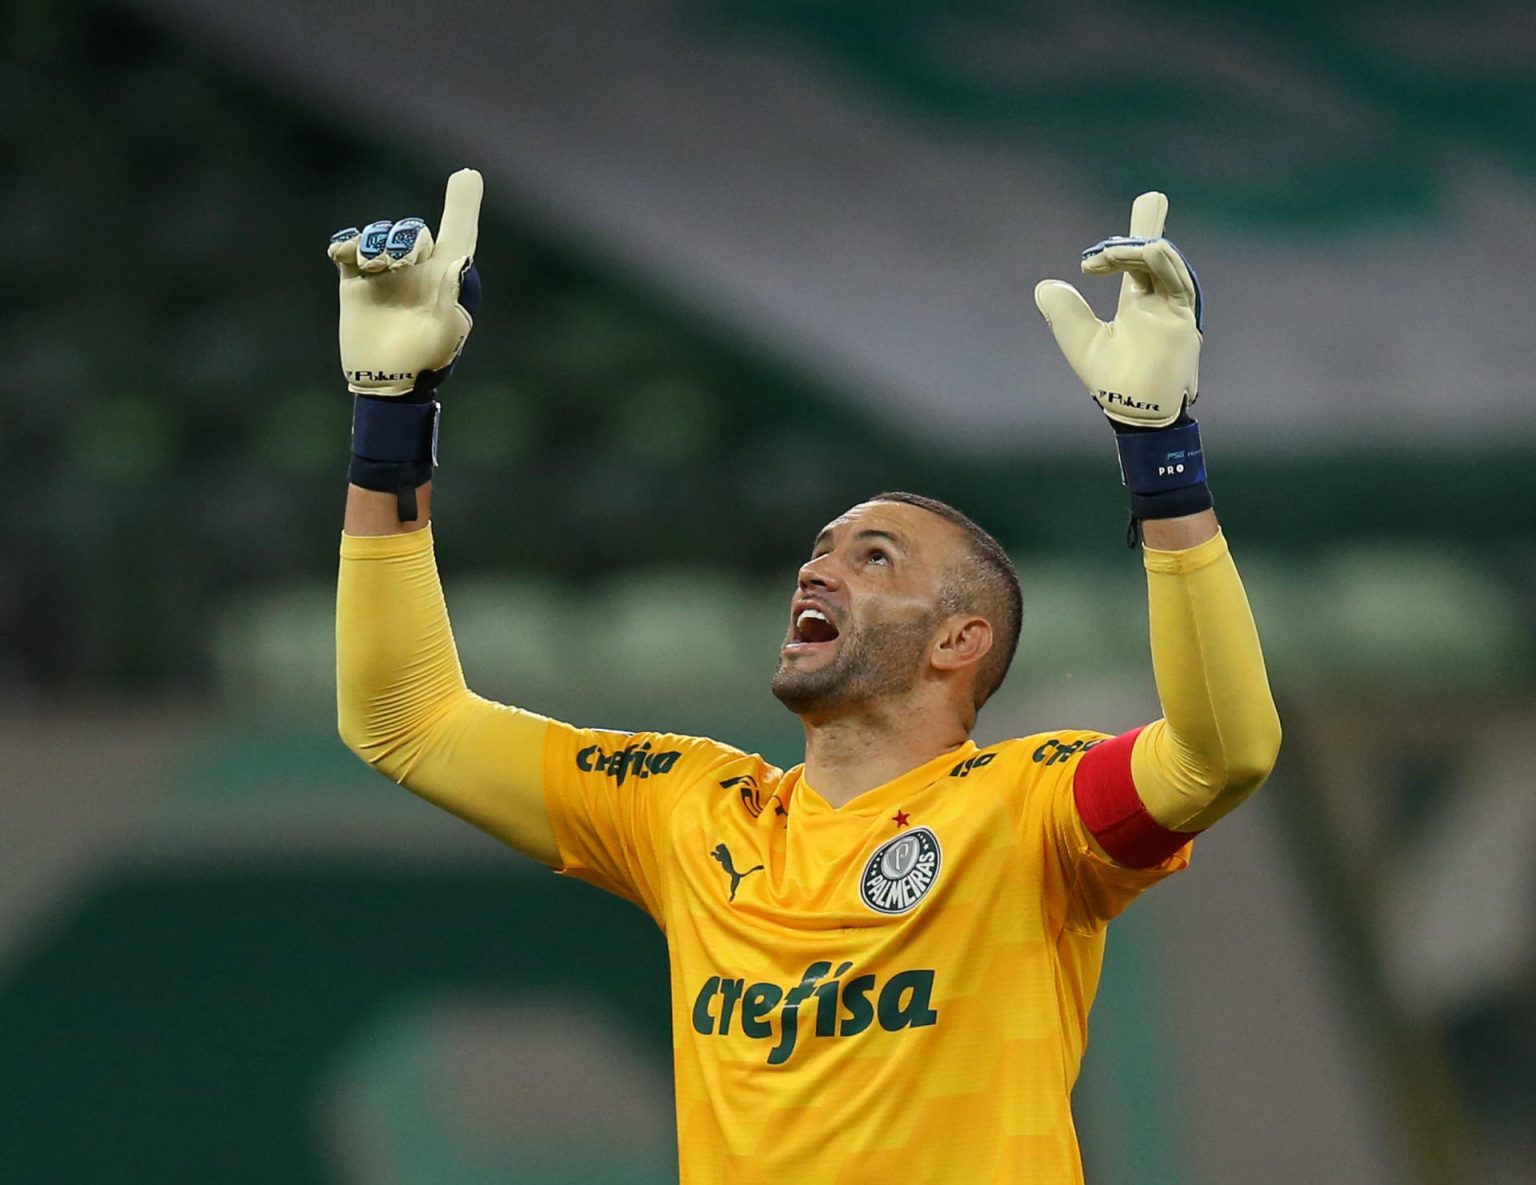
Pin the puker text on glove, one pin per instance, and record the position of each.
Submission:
(1126, 401)
(378, 376)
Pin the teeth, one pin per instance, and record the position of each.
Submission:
(815, 614)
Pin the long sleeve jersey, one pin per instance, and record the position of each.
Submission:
(897, 988)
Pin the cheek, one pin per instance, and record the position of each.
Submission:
(894, 607)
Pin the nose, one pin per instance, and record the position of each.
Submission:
(819, 573)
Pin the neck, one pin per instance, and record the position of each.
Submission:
(861, 748)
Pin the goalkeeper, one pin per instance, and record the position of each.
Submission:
(881, 960)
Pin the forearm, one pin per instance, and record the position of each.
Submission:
(402, 703)
(1220, 734)
(396, 665)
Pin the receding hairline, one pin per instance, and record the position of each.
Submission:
(956, 520)
(962, 527)
(861, 533)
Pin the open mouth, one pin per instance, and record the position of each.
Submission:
(812, 628)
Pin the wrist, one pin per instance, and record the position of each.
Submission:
(371, 514)
(1185, 538)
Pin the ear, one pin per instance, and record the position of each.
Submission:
(962, 642)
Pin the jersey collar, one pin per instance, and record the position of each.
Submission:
(878, 799)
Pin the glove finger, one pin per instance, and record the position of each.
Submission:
(1149, 212)
(1170, 278)
(1100, 259)
(370, 249)
(409, 242)
(343, 250)
(461, 285)
(1116, 255)
(1071, 320)
(1124, 255)
(459, 230)
(1173, 275)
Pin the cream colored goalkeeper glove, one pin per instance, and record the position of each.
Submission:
(1142, 368)
(407, 300)
(407, 306)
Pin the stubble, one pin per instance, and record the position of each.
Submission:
(871, 663)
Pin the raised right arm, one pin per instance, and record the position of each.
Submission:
(407, 308)
(402, 703)
(589, 802)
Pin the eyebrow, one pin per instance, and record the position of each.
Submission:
(867, 533)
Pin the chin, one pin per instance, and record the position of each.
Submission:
(861, 670)
(803, 692)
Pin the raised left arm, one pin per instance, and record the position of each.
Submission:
(1219, 735)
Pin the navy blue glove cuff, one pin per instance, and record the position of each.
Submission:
(1161, 460)
(1163, 469)
(1173, 504)
(394, 429)
(394, 447)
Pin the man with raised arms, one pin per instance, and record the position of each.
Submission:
(881, 960)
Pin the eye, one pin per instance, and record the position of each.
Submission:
(877, 555)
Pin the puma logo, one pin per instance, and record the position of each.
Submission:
(723, 855)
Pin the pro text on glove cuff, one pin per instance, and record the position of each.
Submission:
(1163, 469)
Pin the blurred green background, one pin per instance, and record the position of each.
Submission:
(228, 952)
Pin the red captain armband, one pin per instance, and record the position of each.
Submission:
(1113, 812)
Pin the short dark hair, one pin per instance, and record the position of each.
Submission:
(989, 588)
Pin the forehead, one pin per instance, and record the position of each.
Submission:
(920, 531)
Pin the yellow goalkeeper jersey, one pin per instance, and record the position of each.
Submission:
(893, 990)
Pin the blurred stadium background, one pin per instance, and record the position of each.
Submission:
(747, 261)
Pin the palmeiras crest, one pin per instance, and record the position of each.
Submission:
(901, 871)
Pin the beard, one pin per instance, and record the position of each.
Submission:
(871, 663)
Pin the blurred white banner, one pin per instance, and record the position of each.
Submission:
(894, 255)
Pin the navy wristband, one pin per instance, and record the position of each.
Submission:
(394, 429)
(394, 447)
(1163, 470)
